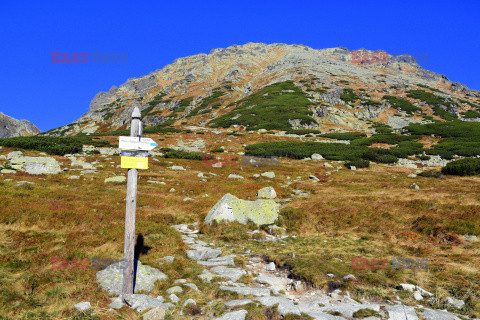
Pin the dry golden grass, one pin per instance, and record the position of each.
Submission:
(369, 213)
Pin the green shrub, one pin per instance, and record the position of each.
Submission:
(357, 164)
(463, 167)
(302, 131)
(183, 155)
(422, 157)
(402, 104)
(344, 135)
(53, 145)
(349, 95)
(435, 101)
(470, 114)
(431, 174)
(219, 150)
(270, 108)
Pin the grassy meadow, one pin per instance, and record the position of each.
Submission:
(370, 213)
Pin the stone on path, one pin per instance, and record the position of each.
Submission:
(231, 208)
(430, 314)
(111, 278)
(235, 315)
(203, 253)
(257, 292)
(156, 313)
(235, 303)
(175, 289)
(285, 305)
(401, 312)
(142, 302)
(231, 273)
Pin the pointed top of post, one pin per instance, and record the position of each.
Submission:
(136, 113)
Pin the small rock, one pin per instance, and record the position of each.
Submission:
(174, 298)
(350, 277)
(200, 175)
(456, 303)
(157, 313)
(270, 266)
(175, 289)
(266, 193)
(172, 190)
(469, 238)
(7, 171)
(414, 186)
(417, 296)
(268, 174)
(327, 165)
(235, 176)
(235, 303)
(181, 281)
(82, 306)
(191, 286)
(189, 301)
(330, 275)
(256, 175)
(234, 315)
(176, 168)
(353, 168)
(313, 178)
(74, 177)
(117, 179)
(188, 199)
(316, 156)
(412, 175)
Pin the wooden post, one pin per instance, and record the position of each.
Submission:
(128, 271)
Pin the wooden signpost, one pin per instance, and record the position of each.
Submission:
(134, 157)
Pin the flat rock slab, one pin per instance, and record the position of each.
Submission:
(277, 283)
(235, 303)
(401, 312)
(285, 305)
(111, 278)
(430, 314)
(231, 273)
(142, 302)
(203, 253)
(257, 292)
(220, 261)
(34, 165)
(348, 311)
(235, 315)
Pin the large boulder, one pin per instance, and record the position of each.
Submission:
(111, 278)
(33, 165)
(231, 208)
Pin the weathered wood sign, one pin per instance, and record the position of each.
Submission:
(133, 143)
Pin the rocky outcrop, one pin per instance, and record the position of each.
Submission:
(244, 69)
(33, 165)
(10, 127)
(231, 208)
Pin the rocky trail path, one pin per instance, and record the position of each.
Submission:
(258, 282)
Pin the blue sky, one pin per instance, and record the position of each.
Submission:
(155, 33)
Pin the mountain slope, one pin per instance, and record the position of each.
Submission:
(329, 89)
(10, 127)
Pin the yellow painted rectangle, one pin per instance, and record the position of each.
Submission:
(134, 162)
